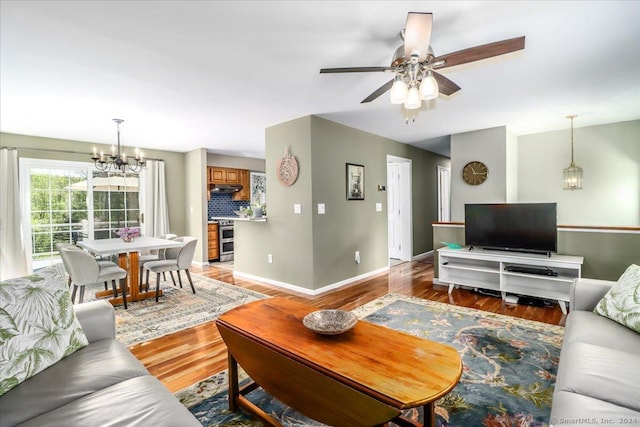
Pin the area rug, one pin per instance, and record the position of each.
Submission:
(177, 309)
(507, 380)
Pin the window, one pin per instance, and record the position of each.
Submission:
(115, 203)
(70, 201)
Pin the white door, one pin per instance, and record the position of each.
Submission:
(393, 210)
(444, 191)
(400, 226)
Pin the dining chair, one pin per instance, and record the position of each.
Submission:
(154, 255)
(176, 259)
(101, 263)
(85, 270)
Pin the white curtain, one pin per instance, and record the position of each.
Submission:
(13, 256)
(153, 200)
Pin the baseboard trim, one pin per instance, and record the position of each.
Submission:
(199, 264)
(310, 292)
(422, 255)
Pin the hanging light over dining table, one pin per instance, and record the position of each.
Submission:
(118, 159)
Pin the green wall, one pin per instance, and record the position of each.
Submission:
(606, 253)
(32, 146)
(311, 250)
(195, 205)
(285, 235)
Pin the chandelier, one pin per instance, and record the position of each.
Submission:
(117, 159)
(572, 175)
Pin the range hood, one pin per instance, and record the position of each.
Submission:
(225, 188)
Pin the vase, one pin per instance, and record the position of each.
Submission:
(128, 239)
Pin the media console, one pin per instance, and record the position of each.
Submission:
(535, 275)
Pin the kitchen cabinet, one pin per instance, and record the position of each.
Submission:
(212, 238)
(244, 179)
(218, 175)
(215, 175)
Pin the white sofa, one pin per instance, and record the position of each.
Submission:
(598, 380)
(102, 384)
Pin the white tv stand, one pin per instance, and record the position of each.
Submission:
(488, 269)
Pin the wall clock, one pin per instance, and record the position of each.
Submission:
(475, 173)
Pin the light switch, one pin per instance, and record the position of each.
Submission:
(378, 207)
(297, 208)
(320, 208)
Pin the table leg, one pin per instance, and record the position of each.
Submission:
(134, 271)
(234, 388)
(429, 415)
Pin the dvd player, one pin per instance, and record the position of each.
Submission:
(542, 271)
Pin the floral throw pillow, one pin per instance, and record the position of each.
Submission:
(622, 303)
(38, 325)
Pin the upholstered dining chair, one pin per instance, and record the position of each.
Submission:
(154, 255)
(85, 270)
(176, 259)
(101, 263)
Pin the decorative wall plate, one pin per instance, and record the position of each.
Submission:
(287, 171)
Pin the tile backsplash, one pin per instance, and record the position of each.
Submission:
(224, 205)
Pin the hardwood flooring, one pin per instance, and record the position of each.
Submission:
(186, 357)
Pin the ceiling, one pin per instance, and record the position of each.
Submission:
(214, 74)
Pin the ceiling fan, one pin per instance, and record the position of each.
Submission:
(415, 64)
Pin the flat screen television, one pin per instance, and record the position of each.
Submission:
(518, 227)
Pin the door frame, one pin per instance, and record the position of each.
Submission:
(405, 196)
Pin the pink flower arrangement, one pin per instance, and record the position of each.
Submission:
(128, 233)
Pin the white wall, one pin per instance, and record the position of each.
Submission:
(610, 157)
(489, 147)
(529, 168)
(512, 167)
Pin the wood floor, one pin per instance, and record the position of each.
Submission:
(186, 357)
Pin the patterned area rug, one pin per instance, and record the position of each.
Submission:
(508, 377)
(177, 309)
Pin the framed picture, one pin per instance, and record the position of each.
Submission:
(355, 182)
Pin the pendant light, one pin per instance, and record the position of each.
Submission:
(572, 175)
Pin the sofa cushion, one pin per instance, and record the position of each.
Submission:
(141, 401)
(98, 366)
(599, 372)
(38, 326)
(571, 409)
(591, 328)
(622, 303)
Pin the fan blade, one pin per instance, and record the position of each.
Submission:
(445, 86)
(480, 52)
(417, 34)
(382, 89)
(355, 69)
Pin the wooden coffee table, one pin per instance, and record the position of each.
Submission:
(364, 377)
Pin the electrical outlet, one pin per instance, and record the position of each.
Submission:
(270, 259)
(357, 257)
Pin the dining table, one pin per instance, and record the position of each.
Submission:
(128, 258)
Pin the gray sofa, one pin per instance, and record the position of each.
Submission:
(598, 380)
(102, 384)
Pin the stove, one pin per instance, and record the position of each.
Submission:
(225, 242)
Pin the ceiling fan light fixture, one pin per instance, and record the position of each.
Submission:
(413, 98)
(398, 93)
(429, 86)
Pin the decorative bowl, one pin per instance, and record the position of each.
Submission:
(330, 322)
